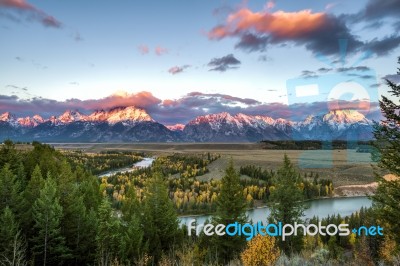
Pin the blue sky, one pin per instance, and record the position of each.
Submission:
(54, 51)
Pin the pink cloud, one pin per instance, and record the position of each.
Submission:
(143, 49)
(32, 11)
(177, 69)
(280, 24)
(270, 4)
(160, 50)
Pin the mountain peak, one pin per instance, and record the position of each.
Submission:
(176, 127)
(7, 117)
(30, 121)
(71, 116)
(345, 116)
(127, 114)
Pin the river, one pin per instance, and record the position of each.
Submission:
(319, 207)
(146, 162)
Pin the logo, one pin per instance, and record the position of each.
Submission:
(280, 230)
(337, 86)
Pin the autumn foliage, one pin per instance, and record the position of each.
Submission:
(260, 251)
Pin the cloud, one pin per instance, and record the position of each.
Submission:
(383, 46)
(143, 49)
(49, 107)
(378, 10)
(31, 12)
(17, 87)
(252, 42)
(177, 69)
(395, 78)
(160, 50)
(224, 63)
(318, 32)
(270, 4)
(330, 5)
(78, 37)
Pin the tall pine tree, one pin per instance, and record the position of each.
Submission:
(133, 232)
(108, 236)
(387, 134)
(160, 219)
(12, 244)
(10, 189)
(286, 203)
(49, 245)
(231, 208)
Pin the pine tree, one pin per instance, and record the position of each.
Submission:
(79, 228)
(108, 236)
(286, 203)
(49, 245)
(10, 189)
(160, 219)
(9, 155)
(131, 215)
(231, 208)
(29, 196)
(387, 134)
(12, 245)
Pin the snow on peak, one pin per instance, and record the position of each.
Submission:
(177, 127)
(345, 117)
(30, 121)
(71, 116)
(7, 117)
(120, 114)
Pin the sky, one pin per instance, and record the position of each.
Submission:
(179, 59)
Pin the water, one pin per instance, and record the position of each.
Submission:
(320, 207)
(146, 162)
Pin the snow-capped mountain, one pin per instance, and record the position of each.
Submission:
(8, 117)
(30, 121)
(336, 124)
(127, 124)
(120, 114)
(240, 127)
(176, 127)
(122, 124)
(70, 117)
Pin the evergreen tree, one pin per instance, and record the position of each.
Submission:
(387, 134)
(12, 245)
(29, 196)
(10, 189)
(49, 245)
(79, 227)
(133, 236)
(108, 236)
(286, 204)
(9, 155)
(231, 208)
(160, 219)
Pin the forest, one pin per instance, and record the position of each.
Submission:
(54, 211)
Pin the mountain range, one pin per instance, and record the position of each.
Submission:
(131, 124)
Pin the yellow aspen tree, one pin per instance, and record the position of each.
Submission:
(260, 251)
